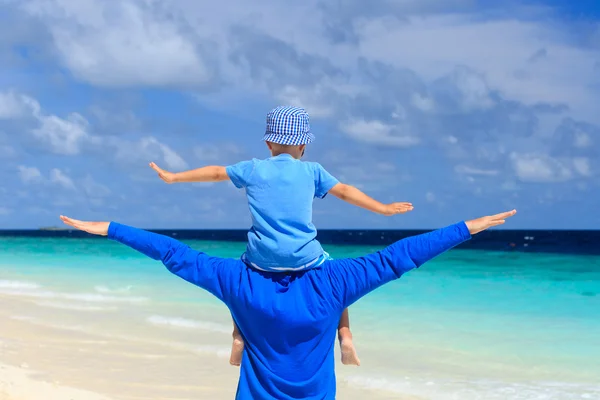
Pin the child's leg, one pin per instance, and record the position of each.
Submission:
(237, 348)
(349, 356)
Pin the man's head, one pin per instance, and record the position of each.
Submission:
(288, 131)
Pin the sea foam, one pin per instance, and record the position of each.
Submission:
(105, 289)
(219, 351)
(75, 307)
(31, 289)
(188, 324)
(15, 285)
(439, 389)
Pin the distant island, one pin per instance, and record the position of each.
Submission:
(53, 228)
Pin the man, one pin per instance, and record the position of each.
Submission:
(289, 320)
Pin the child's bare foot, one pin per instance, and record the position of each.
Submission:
(237, 350)
(349, 356)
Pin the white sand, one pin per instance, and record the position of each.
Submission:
(19, 383)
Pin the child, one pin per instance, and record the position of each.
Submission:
(280, 192)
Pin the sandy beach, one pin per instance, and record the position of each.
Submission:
(38, 361)
(41, 359)
(20, 383)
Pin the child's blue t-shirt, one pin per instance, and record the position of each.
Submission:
(280, 193)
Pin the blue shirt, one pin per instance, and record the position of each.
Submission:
(280, 193)
(289, 320)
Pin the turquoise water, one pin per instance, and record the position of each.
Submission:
(468, 325)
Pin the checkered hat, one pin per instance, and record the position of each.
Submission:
(289, 126)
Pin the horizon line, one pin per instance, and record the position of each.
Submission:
(60, 229)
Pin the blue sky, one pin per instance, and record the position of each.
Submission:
(461, 107)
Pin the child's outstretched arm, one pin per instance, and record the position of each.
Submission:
(204, 174)
(355, 197)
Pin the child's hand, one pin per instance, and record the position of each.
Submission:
(397, 208)
(166, 176)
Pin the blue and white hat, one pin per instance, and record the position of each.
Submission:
(289, 126)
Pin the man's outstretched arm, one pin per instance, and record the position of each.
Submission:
(353, 278)
(216, 275)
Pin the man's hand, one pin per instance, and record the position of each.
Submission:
(481, 224)
(95, 228)
(397, 208)
(166, 176)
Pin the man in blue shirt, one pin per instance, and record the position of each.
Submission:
(280, 192)
(289, 319)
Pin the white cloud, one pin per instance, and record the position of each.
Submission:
(310, 98)
(115, 117)
(218, 153)
(58, 177)
(67, 136)
(11, 105)
(430, 197)
(140, 152)
(539, 168)
(463, 169)
(30, 174)
(582, 140)
(422, 103)
(64, 136)
(86, 189)
(94, 189)
(173, 161)
(362, 175)
(510, 186)
(207, 153)
(582, 166)
(377, 132)
(5, 211)
(182, 42)
(7, 151)
(499, 47)
(474, 91)
(123, 43)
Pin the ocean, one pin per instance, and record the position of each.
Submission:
(510, 315)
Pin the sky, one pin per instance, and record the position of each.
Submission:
(462, 107)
